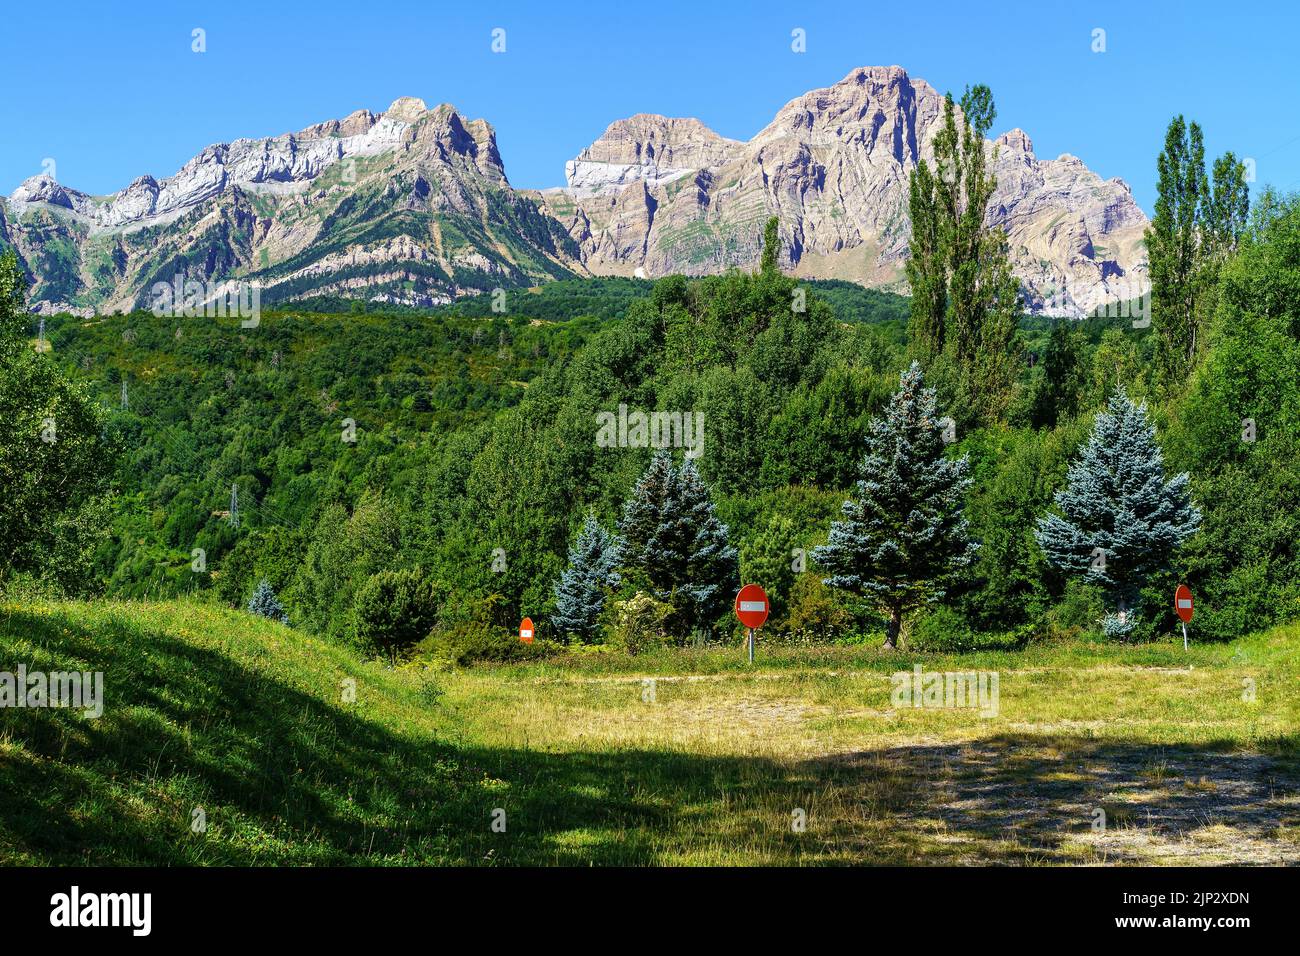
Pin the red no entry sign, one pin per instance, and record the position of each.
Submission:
(752, 606)
(526, 630)
(1183, 603)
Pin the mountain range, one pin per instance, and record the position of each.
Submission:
(413, 206)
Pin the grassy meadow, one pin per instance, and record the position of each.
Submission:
(681, 757)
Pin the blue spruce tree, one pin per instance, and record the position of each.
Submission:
(1119, 521)
(903, 539)
(672, 538)
(581, 588)
(265, 603)
(712, 563)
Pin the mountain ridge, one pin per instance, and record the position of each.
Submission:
(413, 205)
(833, 165)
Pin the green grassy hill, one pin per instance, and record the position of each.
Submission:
(244, 718)
(213, 708)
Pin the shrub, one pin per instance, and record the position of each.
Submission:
(640, 623)
(394, 610)
(1116, 628)
(941, 629)
(816, 613)
(1079, 611)
(477, 642)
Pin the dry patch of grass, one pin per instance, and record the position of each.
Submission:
(1088, 763)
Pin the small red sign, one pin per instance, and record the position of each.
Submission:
(752, 606)
(526, 630)
(1183, 603)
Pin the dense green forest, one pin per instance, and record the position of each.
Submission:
(400, 479)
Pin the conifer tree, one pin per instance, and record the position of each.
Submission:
(639, 528)
(671, 536)
(903, 539)
(1119, 520)
(266, 604)
(581, 588)
(712, 565)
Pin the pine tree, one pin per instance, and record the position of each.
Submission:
(649, 501)
(265, 603)
(712, 565)
(903, 539)
(1119, 520)
(581, 588)
(671, 536)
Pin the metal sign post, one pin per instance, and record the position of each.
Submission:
(752, 609)
(1183, 608)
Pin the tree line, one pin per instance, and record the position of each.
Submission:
(975, 478)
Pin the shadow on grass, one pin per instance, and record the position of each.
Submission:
(1016, 798)
(285, 778)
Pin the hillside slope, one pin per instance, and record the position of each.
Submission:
(241, 717)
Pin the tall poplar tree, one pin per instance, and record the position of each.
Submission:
(771, 246)
(1197, 224)
(965, 298)
(1174, 246)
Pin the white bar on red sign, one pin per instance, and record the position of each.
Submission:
(525, 633)
(1184, 603)
(753, 605)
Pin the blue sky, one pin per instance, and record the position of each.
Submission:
(110, 95)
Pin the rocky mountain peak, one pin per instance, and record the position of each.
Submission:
(1016, 139)
(406, 109)
(834, 165)
(647, 147)
(40, 188)
(43, 189)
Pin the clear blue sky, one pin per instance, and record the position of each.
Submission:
(112, 94)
